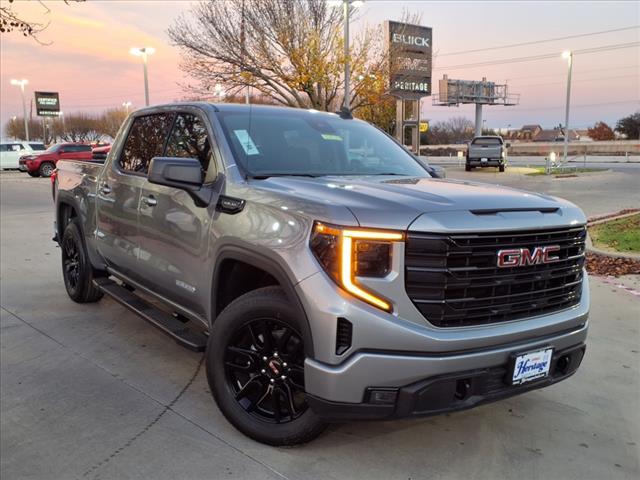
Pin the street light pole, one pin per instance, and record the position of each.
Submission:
(347, 62)
(22, 83)
(144, 52)
(569, 56)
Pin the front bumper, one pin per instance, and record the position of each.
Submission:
(446, 393)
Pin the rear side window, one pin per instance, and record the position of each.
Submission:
(145, 140)
(4, 147)
(189, 139)
(487, 141)
(81, 148)
(37, 146)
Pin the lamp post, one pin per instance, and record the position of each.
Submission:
(568, 55)
(126, 106)
(21, 84)
(346, 6)
(219, 92)
(144, 52)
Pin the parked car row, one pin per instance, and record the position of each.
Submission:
(38, 161)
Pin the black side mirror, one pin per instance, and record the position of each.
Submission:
(183, 173)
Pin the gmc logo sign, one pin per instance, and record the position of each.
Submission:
(522, 257)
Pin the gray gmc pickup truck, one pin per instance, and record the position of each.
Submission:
(487, 151)
(325, 273)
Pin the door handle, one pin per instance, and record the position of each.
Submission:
(150, 200)
(106, 189)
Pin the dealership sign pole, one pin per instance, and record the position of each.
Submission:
(410, 61)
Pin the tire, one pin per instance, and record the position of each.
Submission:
(34, 174)
(501, 168)
(77, 272)
(264, 399)
(467, 168)
(46, 169)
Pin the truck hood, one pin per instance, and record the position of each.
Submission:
(397, 202)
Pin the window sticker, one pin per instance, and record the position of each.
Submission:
(247, 142)
(328, 136)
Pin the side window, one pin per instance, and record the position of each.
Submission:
(145, 140)
(4, 147)
(16, 147)
(189, 139)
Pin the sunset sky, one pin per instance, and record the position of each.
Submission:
(89, 64)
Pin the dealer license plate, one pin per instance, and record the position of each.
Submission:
(531, 366)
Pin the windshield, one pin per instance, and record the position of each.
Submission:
(54, 148)
(303, 142)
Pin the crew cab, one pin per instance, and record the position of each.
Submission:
(325, 274)
(486, 151)
(42, 164)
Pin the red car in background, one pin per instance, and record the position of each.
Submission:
(43, 164)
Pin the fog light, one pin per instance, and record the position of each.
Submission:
(383, 396)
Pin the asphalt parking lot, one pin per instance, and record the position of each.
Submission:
(92, 391)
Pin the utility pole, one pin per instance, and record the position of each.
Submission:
(347, 66)
(21, 84)
(569, 56)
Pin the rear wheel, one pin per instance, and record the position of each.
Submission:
(46, 169)
(33, 174)
(255, 368)
(77, 271)
(467, 168)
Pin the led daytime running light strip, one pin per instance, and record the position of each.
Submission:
(346, 268)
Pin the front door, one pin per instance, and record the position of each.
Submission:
(118, 195)
(174, 232)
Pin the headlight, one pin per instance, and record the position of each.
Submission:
(347, 253)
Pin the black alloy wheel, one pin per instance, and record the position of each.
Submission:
(264, 366)
(255, 368)
(71, 262)
(77, 271)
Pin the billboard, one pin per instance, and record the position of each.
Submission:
(47, 104)
(455, 92)
(410, 59)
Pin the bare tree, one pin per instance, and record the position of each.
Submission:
(289, 50)
(110, 121)
(12, 22)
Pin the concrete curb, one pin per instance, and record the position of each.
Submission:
(607, 218)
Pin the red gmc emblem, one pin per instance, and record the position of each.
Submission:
(522, 257)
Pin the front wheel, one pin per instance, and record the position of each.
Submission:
(255, 368)
(77, 271)
(46, 169)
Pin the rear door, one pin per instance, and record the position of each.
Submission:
(174, 232)
(118, 194)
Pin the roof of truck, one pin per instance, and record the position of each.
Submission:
(233, 107)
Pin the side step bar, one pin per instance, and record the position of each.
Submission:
(170, 325)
